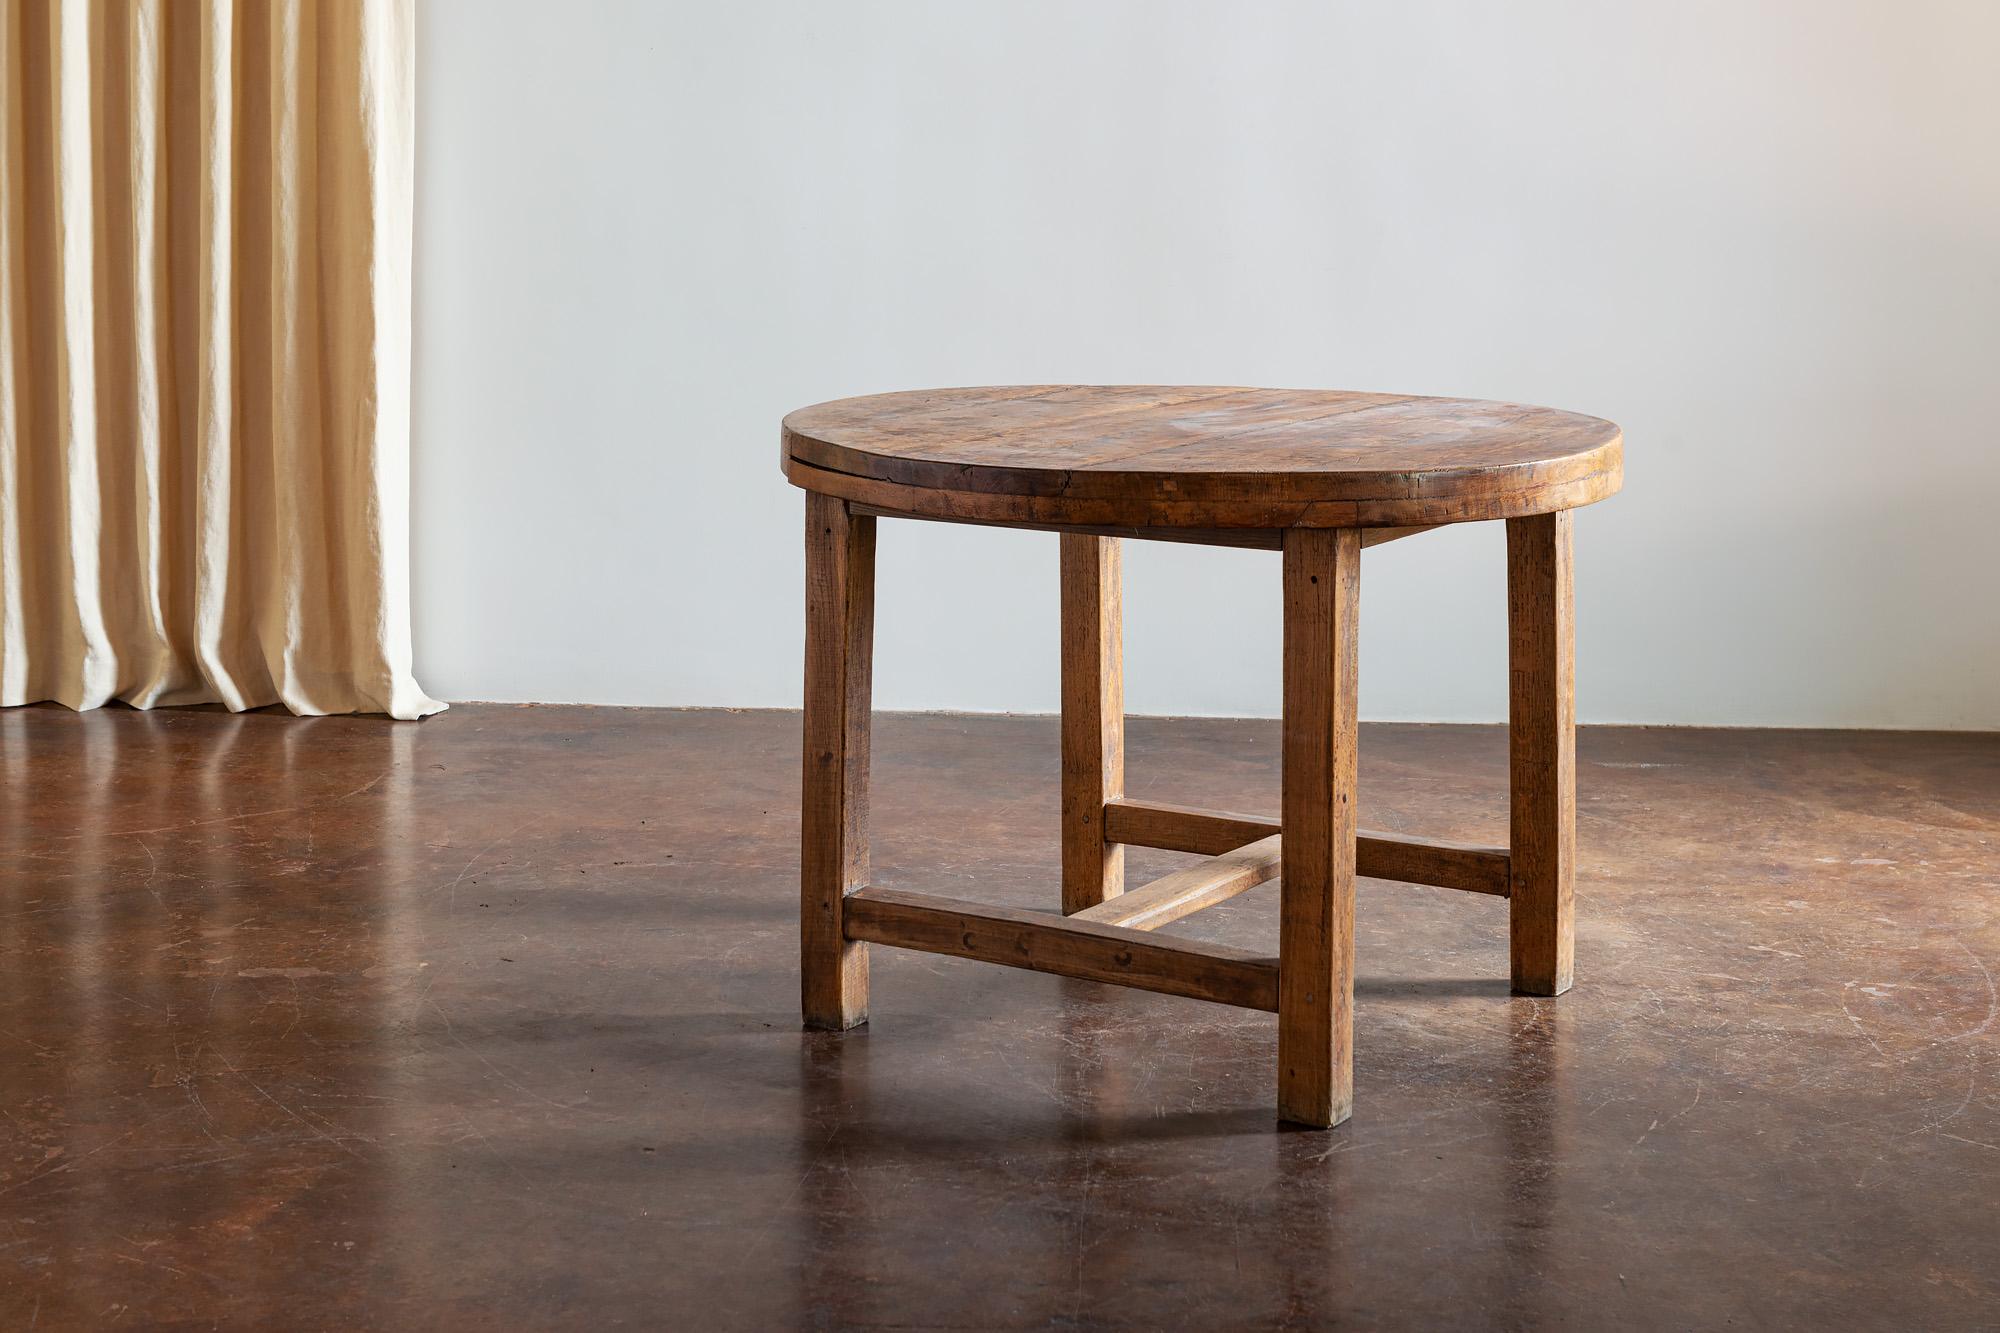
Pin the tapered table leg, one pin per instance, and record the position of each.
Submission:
(1093, 718)
(1541, 715)
(840, 632)
(1316, 929)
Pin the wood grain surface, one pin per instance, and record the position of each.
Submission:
(1541, 734)
(1065, 946)
(1188, 890)
(1093, 717)
(1318, 752)
(833, 812)
(1218, 458)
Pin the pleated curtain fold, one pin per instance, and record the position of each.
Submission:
(205, 235)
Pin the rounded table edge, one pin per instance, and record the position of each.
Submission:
(1408, 506)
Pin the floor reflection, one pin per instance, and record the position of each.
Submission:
(192, 1031)
(491, 1022)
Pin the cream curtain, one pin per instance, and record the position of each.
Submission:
(205, 353)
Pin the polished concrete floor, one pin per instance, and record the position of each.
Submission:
(489, 1021)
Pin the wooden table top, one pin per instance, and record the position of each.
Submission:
(1148, 456)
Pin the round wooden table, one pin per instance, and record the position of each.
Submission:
(1318, 475)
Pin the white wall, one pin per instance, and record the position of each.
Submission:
(1764, 237)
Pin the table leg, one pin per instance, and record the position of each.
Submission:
(1316, 905)
(833, 831)
(1541, 628)
(1093, 717)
